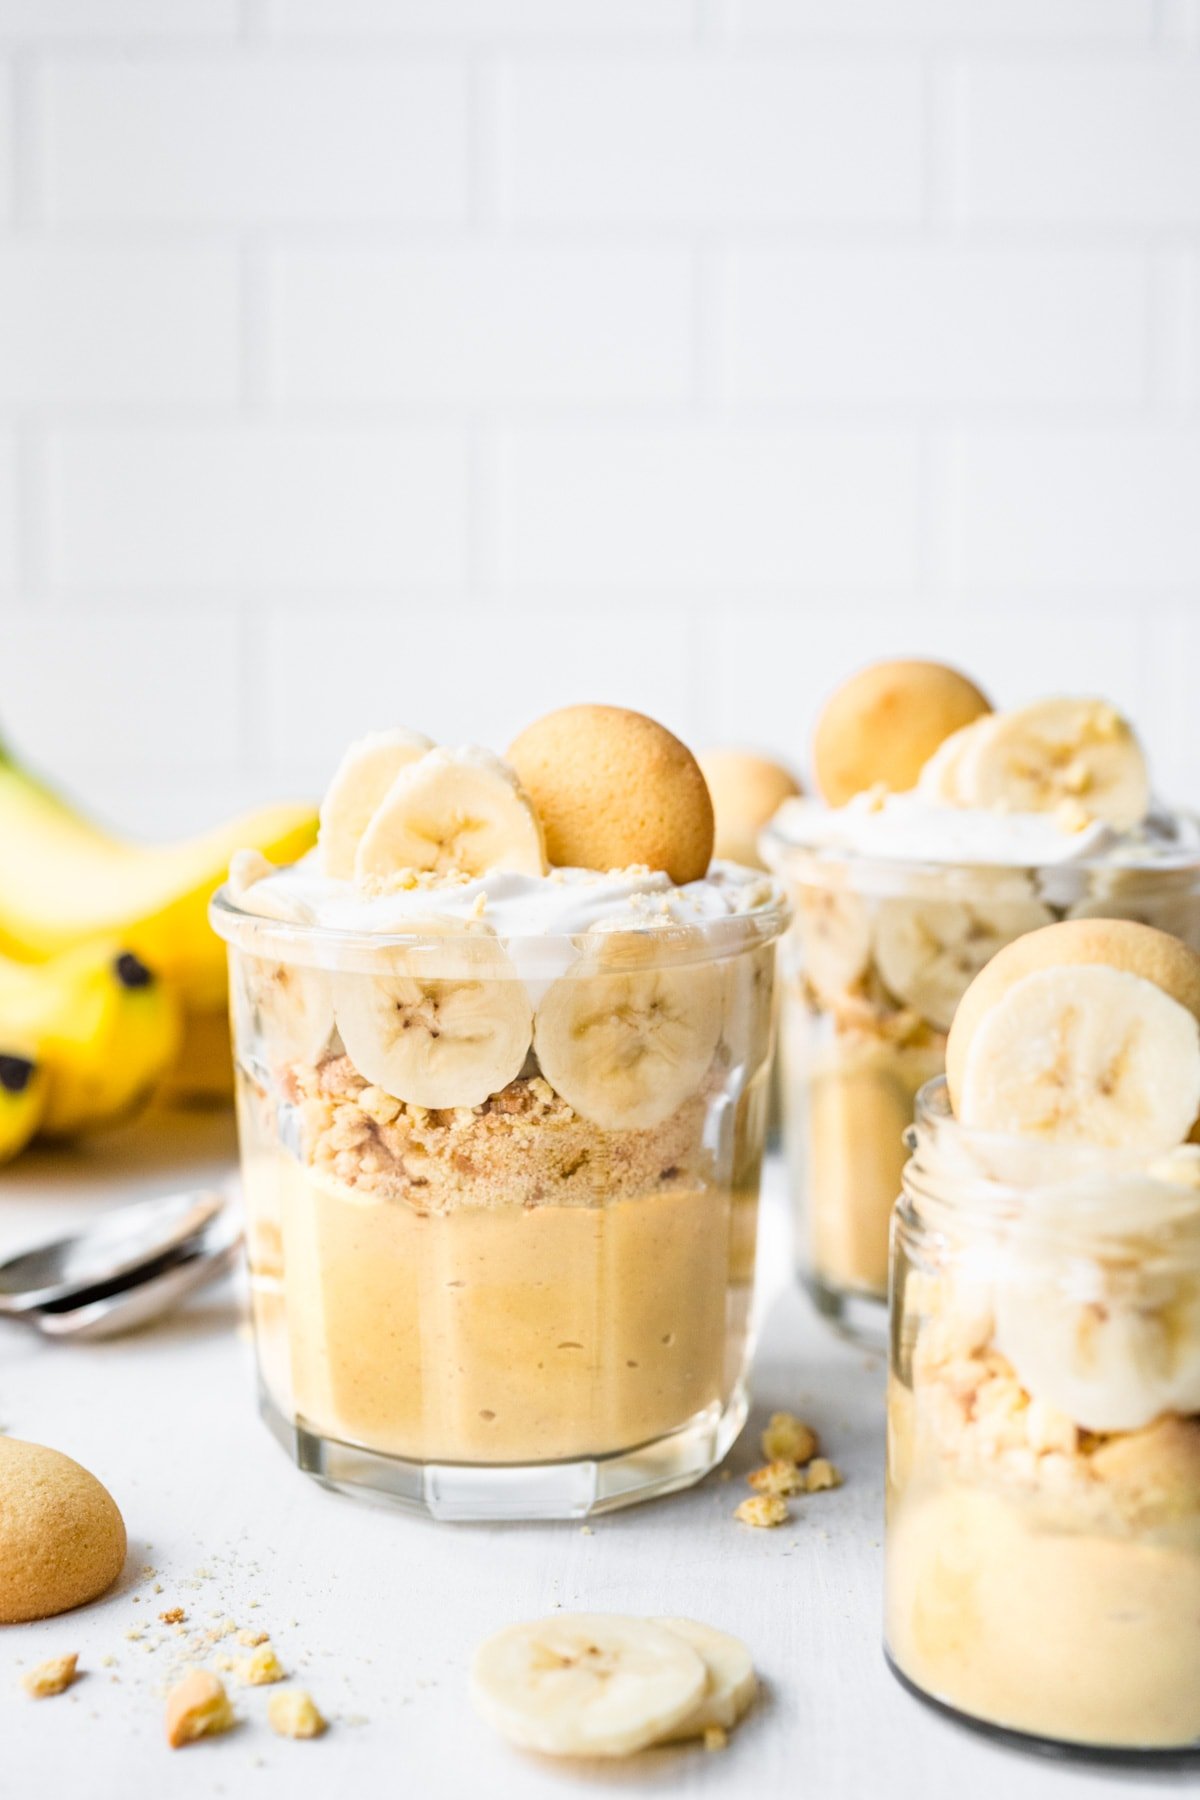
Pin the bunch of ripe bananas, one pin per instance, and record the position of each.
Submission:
(112, 985)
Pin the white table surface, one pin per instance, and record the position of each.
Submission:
(378, 1612)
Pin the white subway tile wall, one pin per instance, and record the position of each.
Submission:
(441, 361)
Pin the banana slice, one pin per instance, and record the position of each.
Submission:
(939, 779)
(1039, 757)
(363, 777)
(283, 1010)
(929, 951)
(453, 811)
(627, 1046)
(1086, 1054)
(834, 928)
(749, 1021)
(732, 1683)
(587, 1684)
(1113, 1359)
(432, 1040)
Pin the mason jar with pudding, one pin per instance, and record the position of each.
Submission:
(502, 1050)
(947, 831)
(1043, 1485)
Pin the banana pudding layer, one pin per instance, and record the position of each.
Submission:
(906, 879)
(1043, 1544)
(501, 1113)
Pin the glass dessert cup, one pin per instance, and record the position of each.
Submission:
(1043, 1573)
(872, 970)
(506, 1310)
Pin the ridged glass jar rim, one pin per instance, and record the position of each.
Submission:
(463, 945)
(1078, 1199)
(805, 865)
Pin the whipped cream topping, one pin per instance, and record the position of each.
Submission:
(909, 827)
(564, 903)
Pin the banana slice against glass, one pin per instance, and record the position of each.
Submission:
(929, 951)
(431, 1037)
(626, 1040)
(363, 777)
(453, 812)
(1114, 1350)
(748, 997)
(834, 927)
(284, 1007)
(1037, 758)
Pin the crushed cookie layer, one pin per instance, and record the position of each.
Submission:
(525, 1146)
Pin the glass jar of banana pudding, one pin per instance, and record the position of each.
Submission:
(1043, 1529)
(1015, 821)
(501, 1127)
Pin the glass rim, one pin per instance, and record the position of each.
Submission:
(993, 1179)
(707, 940)
(788, 860)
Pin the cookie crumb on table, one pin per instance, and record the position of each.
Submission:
(197, 1707)
(173, 1616)
(788, 1439)
(293, 1713)
(51, 1677)
(763, 1510)
(715, 1737)
(779, 1478)
(261, 1669)
(821, 1475)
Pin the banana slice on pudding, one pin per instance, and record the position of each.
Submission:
(432, 1039)
(363, 777)
(732, 1683)
(1077, 752)
(453, 812)
(625, 1044)
(587, 1684)
(929, 951)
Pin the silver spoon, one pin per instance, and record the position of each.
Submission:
(119, 1245)
(118, 1307)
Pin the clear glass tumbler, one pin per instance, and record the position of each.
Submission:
(878, 957)
(535, 1305)
(1043, 1528)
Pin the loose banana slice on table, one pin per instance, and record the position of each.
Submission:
(626, 1045)
(834, 927)
(1084, 1053)
(431, 1039)
(1036, 758)
(453, 811)
(363, 777)
(587, 1684)
(732, 1683)
(929, 951)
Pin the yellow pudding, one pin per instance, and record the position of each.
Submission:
(546, 1291)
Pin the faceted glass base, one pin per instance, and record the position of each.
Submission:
(474, 1493)
(860, 1317)
(1183, 1757)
